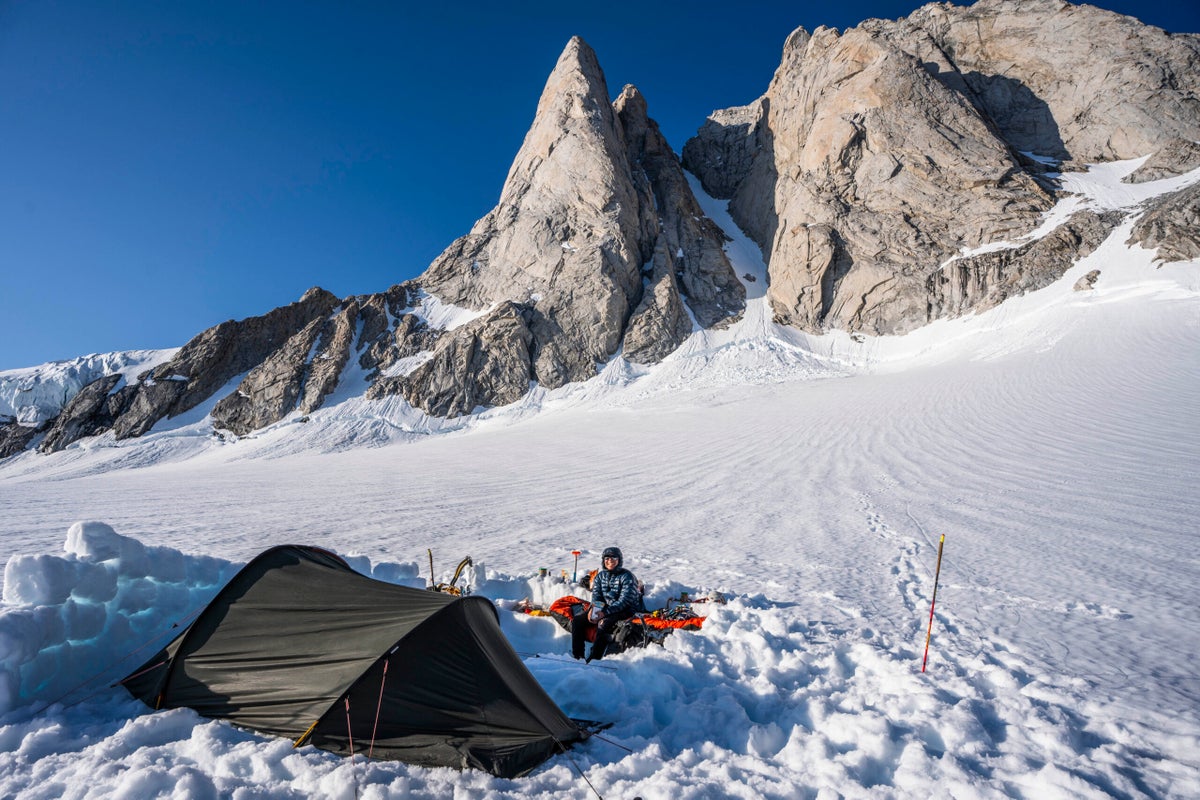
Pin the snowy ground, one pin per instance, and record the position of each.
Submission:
(1054, 442)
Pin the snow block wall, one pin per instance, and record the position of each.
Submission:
(89, 617)
(74, 624)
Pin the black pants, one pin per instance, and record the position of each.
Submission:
(604, 629)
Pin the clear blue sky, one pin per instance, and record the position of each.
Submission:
(165, 166)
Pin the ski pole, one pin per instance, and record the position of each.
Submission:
(575, 569)
(937, 574)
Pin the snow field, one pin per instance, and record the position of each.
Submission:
(765, 701)
(1053, 440)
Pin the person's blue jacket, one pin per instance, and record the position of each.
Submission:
(615, 591)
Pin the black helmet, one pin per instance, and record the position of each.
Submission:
(612, 552)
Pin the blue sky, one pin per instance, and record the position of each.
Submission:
(165, 166)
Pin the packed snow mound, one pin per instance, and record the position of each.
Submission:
(103, 603)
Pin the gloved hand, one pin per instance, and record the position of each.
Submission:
(597, 614)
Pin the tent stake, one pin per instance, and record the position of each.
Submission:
(936, 575)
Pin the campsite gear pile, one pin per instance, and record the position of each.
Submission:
(300, 645)
(644, 628)
(452, 586)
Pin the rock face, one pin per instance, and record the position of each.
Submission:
(484, 363)
(891, 175)
(91, 411)
(878, 155)
(1172, 226)
(15, 437)
(979, 282)
(594, 204)
(1068, 81)
(212, 359)
(1175, 158)
(202, 366)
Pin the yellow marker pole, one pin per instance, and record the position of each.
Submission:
(937, 574)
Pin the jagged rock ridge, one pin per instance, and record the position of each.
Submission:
(597, 244)
(876, 160)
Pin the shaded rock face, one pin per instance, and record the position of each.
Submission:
(726, 148)
(983, 281)
(688, 248)
(1176, 157)
(93, 410)
(292, 359)
(878, 155)
(1172, 226)
(15, 437)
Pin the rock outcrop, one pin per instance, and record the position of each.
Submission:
(15, 437)
(1175, 158)
(891, 174)
(980, 282)
(88, 413)
(878, 155)
(1087, 282)
(597, 237)
(1171, 226)
(481, 364)
(201, 368)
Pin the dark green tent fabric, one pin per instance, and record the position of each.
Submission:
(430, 678)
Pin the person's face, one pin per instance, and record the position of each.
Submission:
(610, 562)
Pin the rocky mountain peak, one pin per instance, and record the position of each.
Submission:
(892, 174)
(575, 226)
(879, 154)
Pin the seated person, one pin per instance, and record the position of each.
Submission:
(615, 596)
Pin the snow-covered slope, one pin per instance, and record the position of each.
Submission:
(1053, 441)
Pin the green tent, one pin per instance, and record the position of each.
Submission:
(300, 645)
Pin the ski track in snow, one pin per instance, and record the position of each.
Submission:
(1054, 441)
